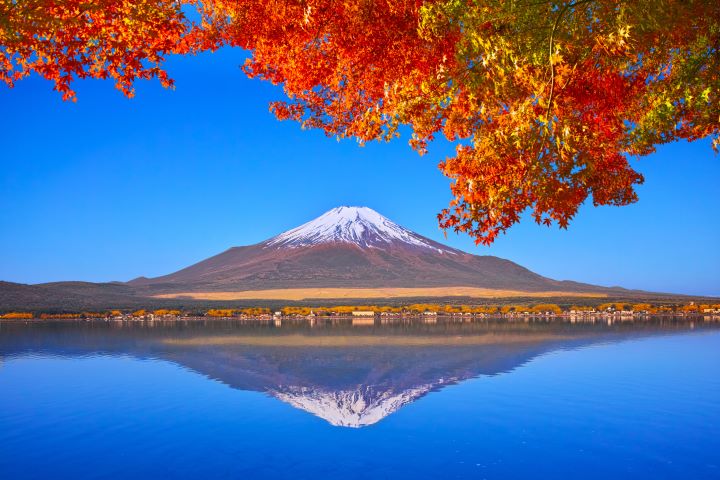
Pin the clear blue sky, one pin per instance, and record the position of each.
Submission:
(110, 189)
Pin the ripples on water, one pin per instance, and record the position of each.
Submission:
(483, 399)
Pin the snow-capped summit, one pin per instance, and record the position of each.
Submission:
(361, 226)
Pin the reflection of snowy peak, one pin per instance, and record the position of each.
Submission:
(350, 408)
(361, 226)
(351, 386)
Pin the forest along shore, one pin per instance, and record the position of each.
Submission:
(428, 312)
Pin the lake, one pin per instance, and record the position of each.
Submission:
(492, 398)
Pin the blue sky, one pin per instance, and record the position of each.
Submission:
(110, 188)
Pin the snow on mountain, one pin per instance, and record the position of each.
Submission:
(350, 408)
(361, 226)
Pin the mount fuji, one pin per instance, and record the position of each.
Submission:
(351, 248)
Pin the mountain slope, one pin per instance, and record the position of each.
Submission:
(351, 247)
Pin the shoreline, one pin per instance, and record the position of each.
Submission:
(380, 319)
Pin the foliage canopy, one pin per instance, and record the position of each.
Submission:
(545, 100)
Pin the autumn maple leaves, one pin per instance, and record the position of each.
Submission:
(545, 100)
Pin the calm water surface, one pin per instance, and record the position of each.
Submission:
(483, 399)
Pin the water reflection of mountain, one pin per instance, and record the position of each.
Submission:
(348, 376)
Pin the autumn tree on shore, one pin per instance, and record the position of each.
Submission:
(545, 101)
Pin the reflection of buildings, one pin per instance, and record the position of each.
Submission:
(347, 378)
